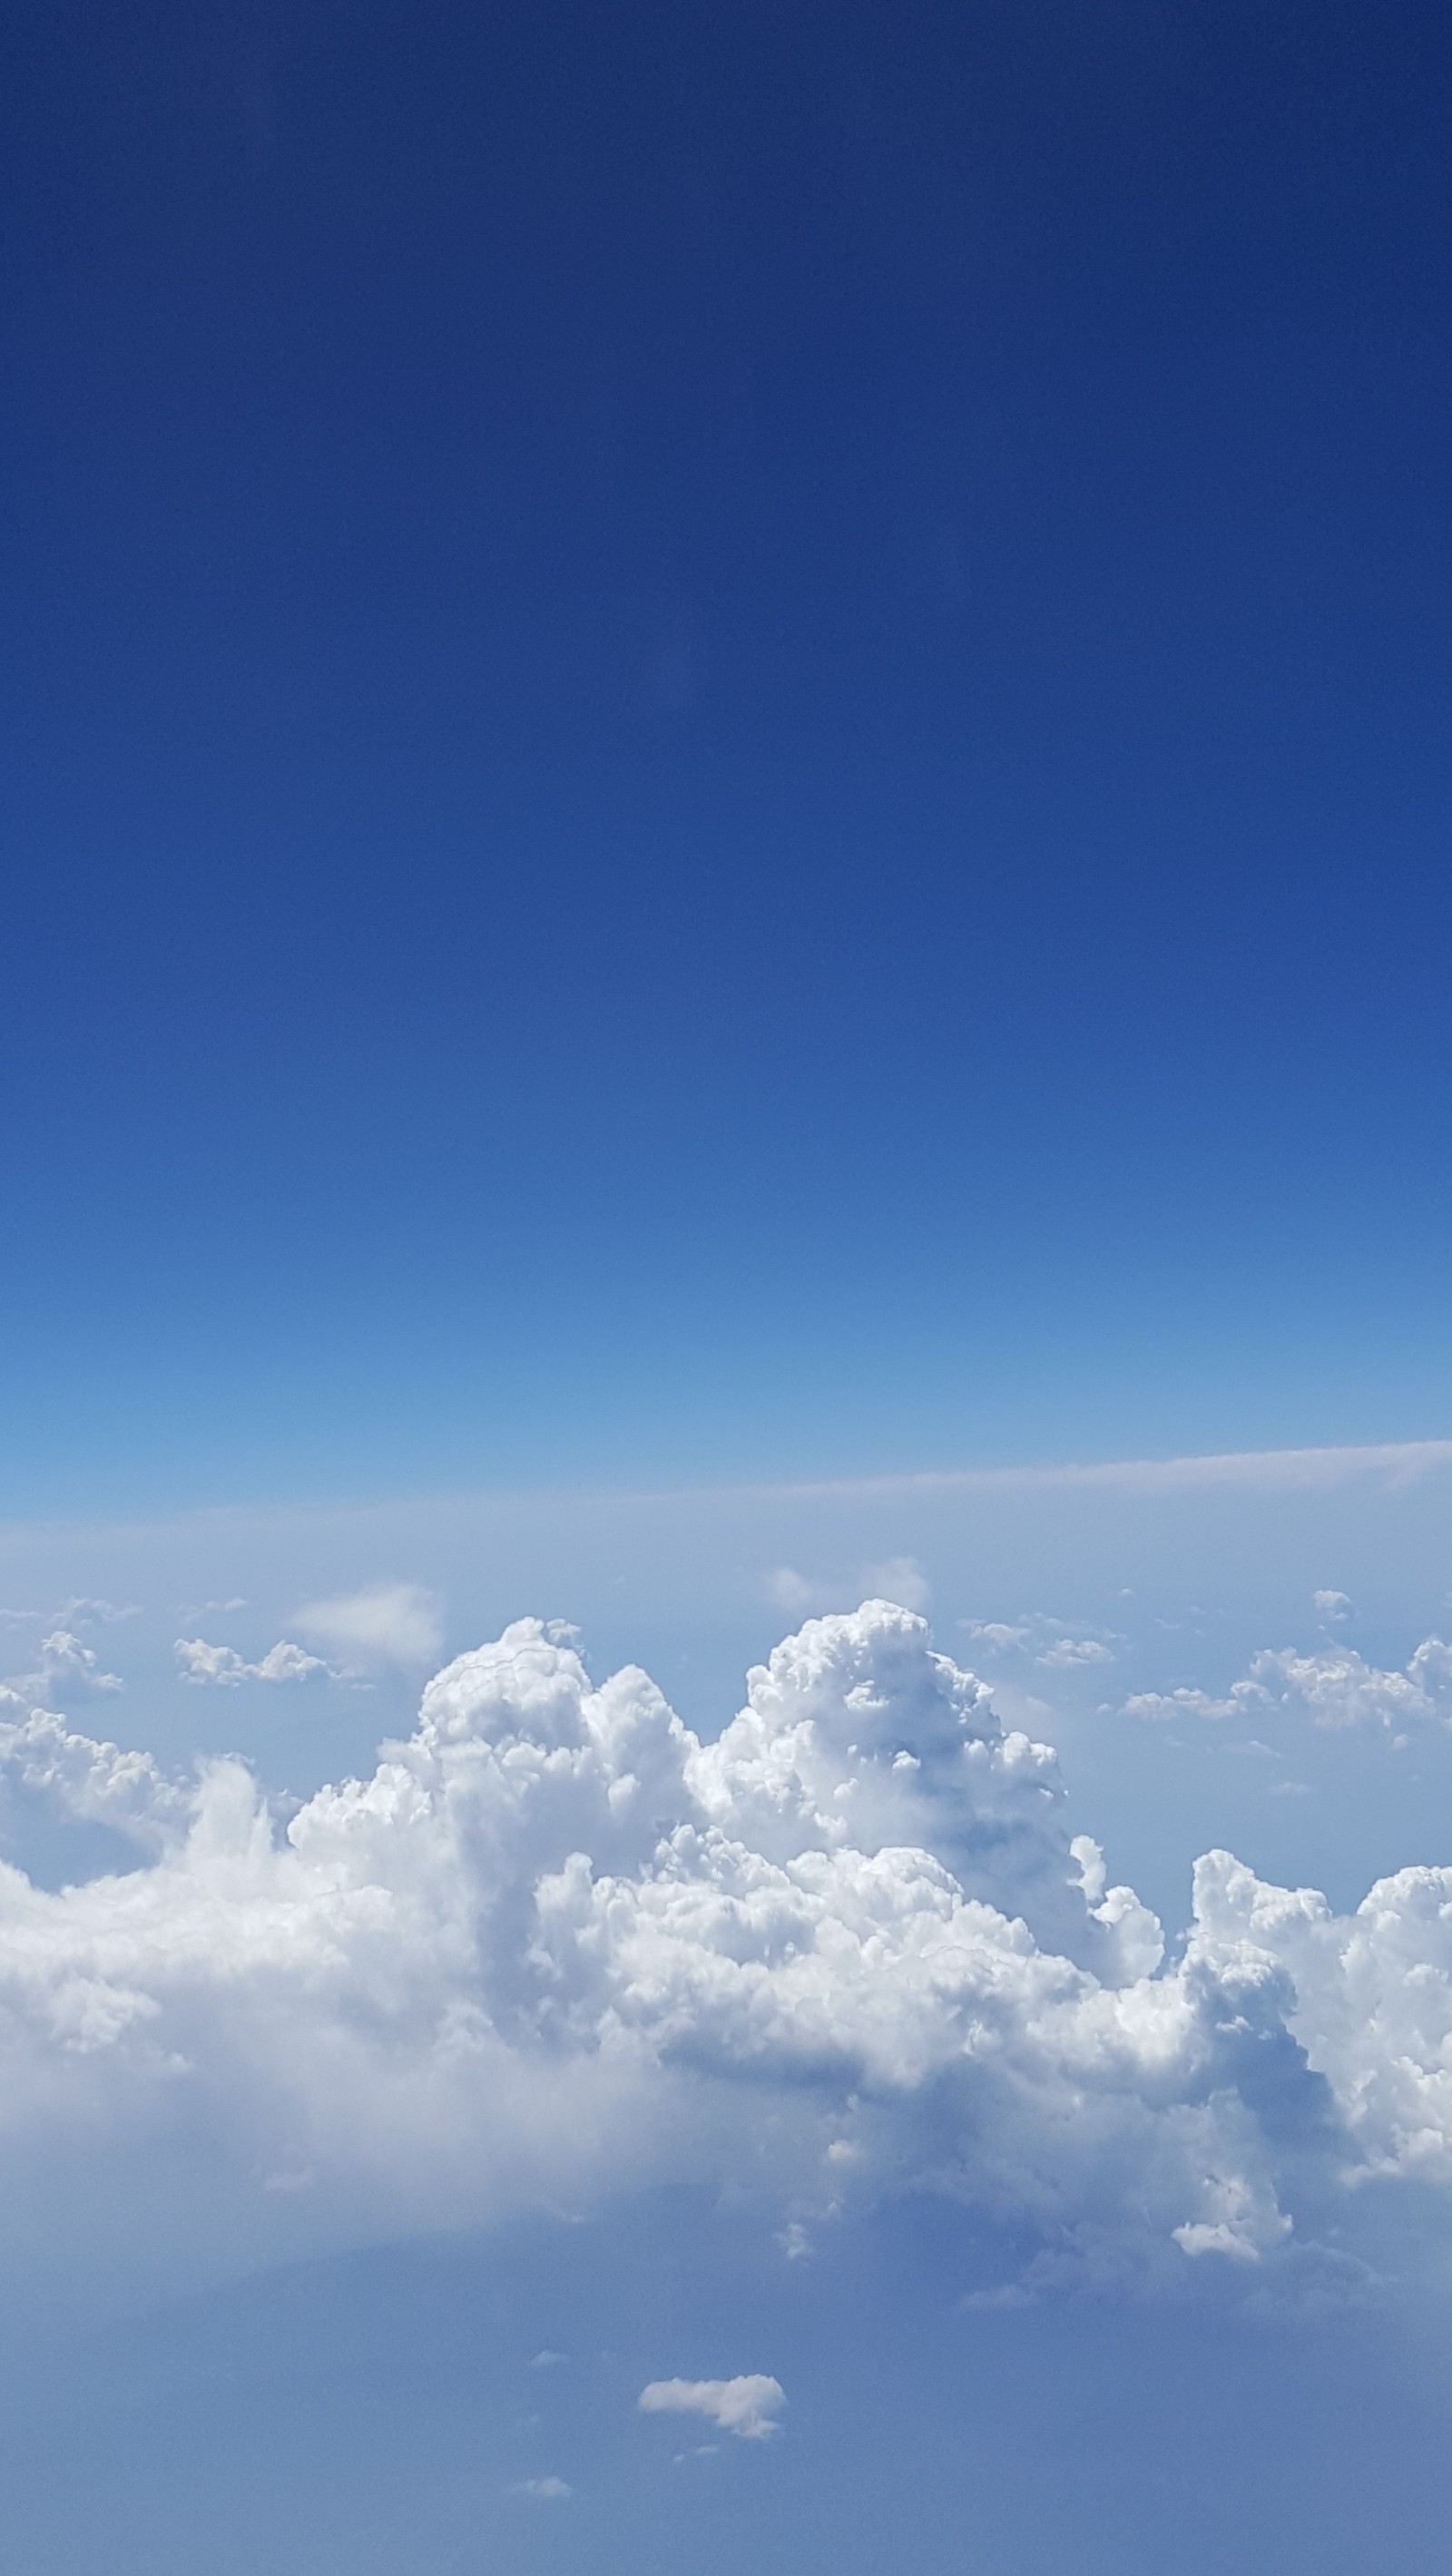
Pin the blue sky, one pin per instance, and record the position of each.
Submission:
(728, 742)
(725, 1102)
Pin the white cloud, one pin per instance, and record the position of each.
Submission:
(898, 1578)
(1065, 1652)
(547, 2490)
(1333, 1606)
(1000, 1636)
(96, 1783)
(1243, 1699)
(787, 1590)
(284, 1662)
(747, 2407)
(82, 1610)
(65, 1670)
(1333, 1687)
(1049, 1641)
(393, 1623)
(557, 1943)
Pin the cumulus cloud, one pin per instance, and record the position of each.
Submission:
(1333, 1687)
(284, 1662)
(393, 1623)
(65, 1670)
(747, 2407)
(93, 1782)
(557, 1943)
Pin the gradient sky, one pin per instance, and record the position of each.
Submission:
(726, 788)
(728, 739)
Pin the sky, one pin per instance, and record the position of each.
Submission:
(727, 740)
(725, 1402)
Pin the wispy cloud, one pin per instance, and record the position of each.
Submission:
(1047, 1641)
(1273, 1470)
(895, 1578)
(391, 1623)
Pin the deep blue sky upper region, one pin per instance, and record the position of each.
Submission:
(727, 737)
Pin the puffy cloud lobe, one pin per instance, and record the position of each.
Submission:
(96, 1783)
(747, 2406)
(557, 1942)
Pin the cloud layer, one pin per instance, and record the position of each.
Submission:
(556, 1943)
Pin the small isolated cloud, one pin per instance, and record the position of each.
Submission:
(747, 2407)
(1066, 1652)
(546, 2489)
(899, 1579)
(284, 1662)
(1241, 1700)
(1237, 2226)
(1333, 1606)
(546, 2360)
(393, 1623)
(788, 1590)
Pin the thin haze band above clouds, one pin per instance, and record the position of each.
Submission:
(1397, 1463)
